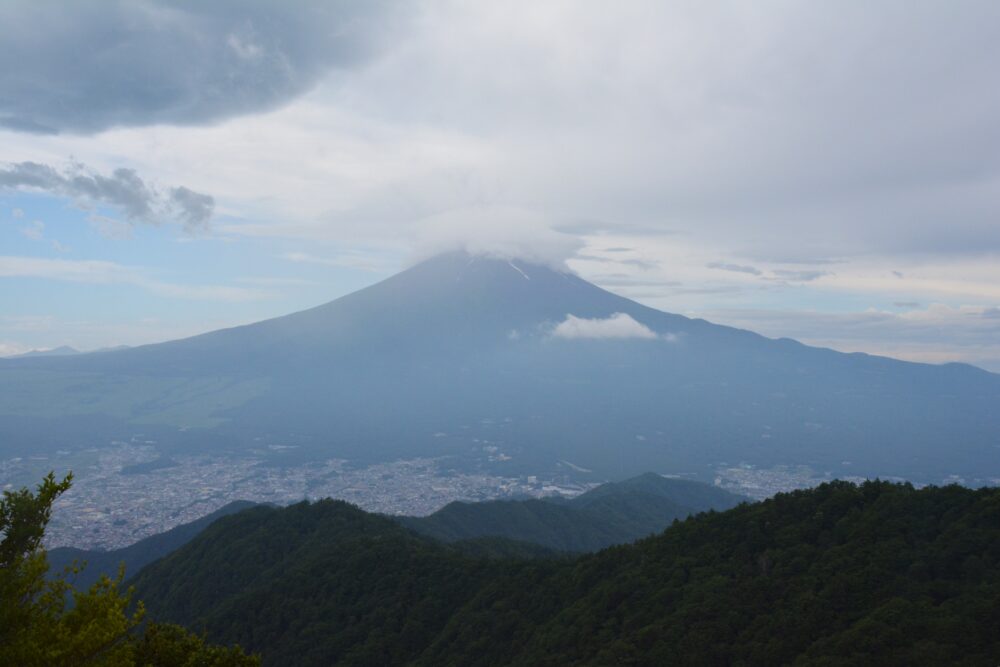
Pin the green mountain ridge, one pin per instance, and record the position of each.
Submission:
(613, 513)
(841, 574)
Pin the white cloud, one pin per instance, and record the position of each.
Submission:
(101, 272)
(345, 260)
(619, 325)
(9, 349)
(35, 230)
(503, 232)
(81, 271)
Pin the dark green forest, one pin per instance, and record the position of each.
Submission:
(613, 513)
(879, 573)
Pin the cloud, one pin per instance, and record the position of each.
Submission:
(35, 230)
(347, 260)
(82, 271)
(10, 349)
(107, 273)
(779, 132)
(194, 209)
(633, 261)
(503, 232)
(617, 326)
(736, 268)
(769, 128)
(800, 276)
(777, 135)
(622, 280)
(88, 66)
(123, 190)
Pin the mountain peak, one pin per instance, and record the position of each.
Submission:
(499, 232)
(462, 262)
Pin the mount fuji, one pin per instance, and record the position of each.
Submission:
(520, 363)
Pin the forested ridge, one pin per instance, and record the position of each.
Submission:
(880, 573)
(613, 513)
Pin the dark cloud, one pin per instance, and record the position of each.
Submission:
(124, 190)
(90, 65)
(193, 208)
(736, 268)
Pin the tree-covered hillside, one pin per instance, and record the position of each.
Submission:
(842, 574)
(613, 513)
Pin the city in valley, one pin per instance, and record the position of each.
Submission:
(126, 491)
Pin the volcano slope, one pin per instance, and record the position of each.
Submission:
(464, 350)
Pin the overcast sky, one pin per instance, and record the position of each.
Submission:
(823, 171)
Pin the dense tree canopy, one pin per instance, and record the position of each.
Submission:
(873, 574)
(613, 513)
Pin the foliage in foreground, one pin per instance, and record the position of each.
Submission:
(39, 627)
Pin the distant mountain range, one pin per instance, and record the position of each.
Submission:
(463, 355)
(874, 574)
(613, 513)
(62, 351)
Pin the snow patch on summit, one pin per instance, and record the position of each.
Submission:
(518, 269)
